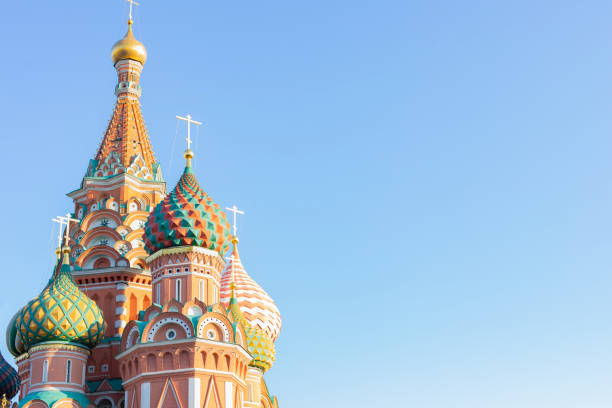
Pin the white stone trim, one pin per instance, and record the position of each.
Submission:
(194, 392)
(185, 370)
(145, 395)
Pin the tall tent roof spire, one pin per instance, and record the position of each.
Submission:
(125, 147)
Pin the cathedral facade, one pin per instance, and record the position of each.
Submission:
(143, 309)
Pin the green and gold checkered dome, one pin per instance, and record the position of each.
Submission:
(259, 344)
(61, 313)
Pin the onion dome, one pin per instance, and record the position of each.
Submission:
(129, 48)
(257, 306)
(13, 340)
(62, 312)
(187, 217)
(259, 345)
(9, 379)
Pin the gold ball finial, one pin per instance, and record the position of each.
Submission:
(66, 252)
(188, 156)
(129, 48)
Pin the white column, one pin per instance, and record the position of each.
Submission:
(125, 399)
(145, 395)
(194, 393)
(229, 395)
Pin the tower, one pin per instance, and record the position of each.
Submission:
(54, 334)
(122, 184)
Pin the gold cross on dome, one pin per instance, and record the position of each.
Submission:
(132, 3)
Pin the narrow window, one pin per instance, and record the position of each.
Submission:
(68, 370)
(157, 294)
(250, 392)
(215, 295)
(45, 371)
(201, 289)
(178, 290)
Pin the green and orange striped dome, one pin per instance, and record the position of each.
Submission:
(187, 217)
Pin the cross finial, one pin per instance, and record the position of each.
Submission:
(132, 3)
(64, 221)
(188, 153)
(236, 211)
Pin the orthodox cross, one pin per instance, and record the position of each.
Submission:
(64, 221)
(236, 211)
(132, 3)
(189, 121)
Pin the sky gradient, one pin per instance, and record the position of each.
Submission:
(426, 184)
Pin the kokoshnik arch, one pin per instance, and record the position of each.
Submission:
(142, 310)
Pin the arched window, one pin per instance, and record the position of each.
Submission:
(68, 370)
(45, 372)
(151, 363)
(104, 403)
(201, 290)
(102, 263)
(178, 290)
(168, 361)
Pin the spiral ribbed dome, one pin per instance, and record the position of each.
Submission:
(62, 312)
(187, 216)
(259, 345)
(9, 379)
(256, 305)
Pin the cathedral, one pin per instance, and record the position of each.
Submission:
(149, 304)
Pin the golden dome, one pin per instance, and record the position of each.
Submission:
(129, 48)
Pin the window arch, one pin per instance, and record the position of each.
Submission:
(178, 290)
(45, 373)
(68, 371)
(104, 403)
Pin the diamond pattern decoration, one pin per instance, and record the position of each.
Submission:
(259, 344)
(61, 313)
(187, 216)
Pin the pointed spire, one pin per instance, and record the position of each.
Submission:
(125, 147)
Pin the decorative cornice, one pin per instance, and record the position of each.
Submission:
(183, 250)
(137, 184)
(52, 345)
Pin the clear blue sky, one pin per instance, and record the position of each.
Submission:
(427, 184)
